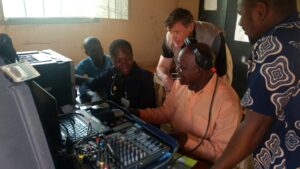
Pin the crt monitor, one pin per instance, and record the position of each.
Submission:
(48, 112)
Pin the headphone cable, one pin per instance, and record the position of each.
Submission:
(208, 124)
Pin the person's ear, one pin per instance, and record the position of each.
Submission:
(191, 27)
(86, 52)
(199, 69)
(261, 11)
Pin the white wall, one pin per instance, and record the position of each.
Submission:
(191, 5)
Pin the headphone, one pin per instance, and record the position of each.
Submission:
(204, 56)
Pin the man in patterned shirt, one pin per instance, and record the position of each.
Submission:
(271, 129)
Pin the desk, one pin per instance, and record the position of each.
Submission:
(128, 142)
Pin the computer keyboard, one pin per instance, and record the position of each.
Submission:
(79, 125)
(75, 128)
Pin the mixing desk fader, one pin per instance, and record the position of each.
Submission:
(126, 142)
(133, 148)
(129, 148)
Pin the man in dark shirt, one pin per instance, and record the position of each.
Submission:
(125, 83)
(181, 25)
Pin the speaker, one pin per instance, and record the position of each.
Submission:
(204, 55)
(57, 74)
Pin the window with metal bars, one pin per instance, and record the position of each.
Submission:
(31, 9)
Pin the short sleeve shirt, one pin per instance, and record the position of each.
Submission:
(209, 34)
(273, 89)
(204, 32)
(87, 67)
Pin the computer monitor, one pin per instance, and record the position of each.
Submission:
(56, 74)
(48, 113)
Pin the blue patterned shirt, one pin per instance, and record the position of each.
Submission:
(87, 67)
(274, 90)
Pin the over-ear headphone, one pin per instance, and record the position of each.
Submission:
(204, 56)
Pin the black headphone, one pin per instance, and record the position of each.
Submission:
(204, 56)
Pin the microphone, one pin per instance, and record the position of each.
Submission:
(117, 83)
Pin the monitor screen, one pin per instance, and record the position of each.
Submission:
(48, 113)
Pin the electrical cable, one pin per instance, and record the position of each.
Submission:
(87, 137)
(73, 126)
(63, 125)
(89, 129)
(69, 118)
(69, 114)
(72, 123)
